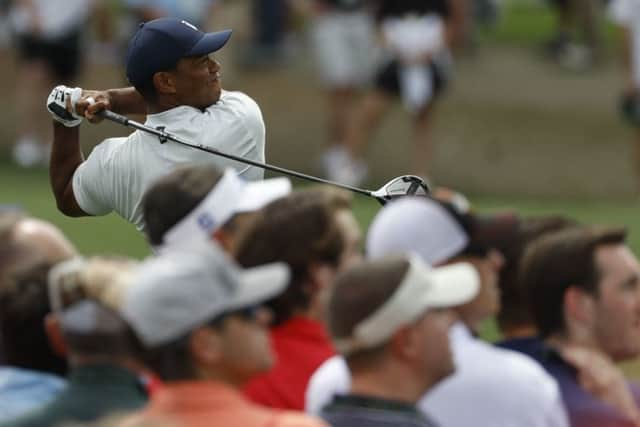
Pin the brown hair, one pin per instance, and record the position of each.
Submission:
(24, 304)
(173, 196)
(558, 261)
(299, 229)
(514, 310)
(358, 293)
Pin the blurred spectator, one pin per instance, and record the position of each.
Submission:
(342, 37)
(316, 234)
(390, 320)
(497, 386)
(417, 37)
(34, 372)
(514, 318)
(100, 347)
(195, 202)
(269, 24)
(626, 14)
(204, 330)
(578, 42)
(197, 12)
(48, 38)
(25, 241)
(583, 285)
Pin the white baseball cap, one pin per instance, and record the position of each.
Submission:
(416, 224)
(230, 196)
(181, 289)
(422, 288)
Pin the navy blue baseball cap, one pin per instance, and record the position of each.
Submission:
(159, 44)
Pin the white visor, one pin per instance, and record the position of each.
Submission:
(231, 195)
(422, 288)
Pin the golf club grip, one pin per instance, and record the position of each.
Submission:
(110, 115)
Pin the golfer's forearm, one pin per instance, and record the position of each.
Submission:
(66, 156)
(127, 101)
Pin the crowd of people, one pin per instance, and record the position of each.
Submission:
(259, 306)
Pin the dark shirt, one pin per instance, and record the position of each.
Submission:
(400, 8)
(531, 346)
(92, 392)
(583, 408)
(344, 4)
(364, 411)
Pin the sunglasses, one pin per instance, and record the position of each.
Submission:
(248, 314)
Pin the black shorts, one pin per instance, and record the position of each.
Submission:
(387, 79)
(62, 56)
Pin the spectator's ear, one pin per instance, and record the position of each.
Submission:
(579, 310)
(55, 335)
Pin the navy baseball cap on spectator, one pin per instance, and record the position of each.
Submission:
(159, 44)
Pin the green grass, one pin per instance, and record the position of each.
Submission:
(531, 23)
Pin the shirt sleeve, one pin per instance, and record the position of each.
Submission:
(89, 183)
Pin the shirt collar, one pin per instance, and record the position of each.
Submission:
(370, 402)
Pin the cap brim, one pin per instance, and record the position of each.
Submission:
(258, 194)
(210, 42)
(260, 284)
(451, 285)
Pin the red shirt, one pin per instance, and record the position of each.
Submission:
(208, 403)
(301, 345)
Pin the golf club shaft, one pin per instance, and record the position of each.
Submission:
(165, 136)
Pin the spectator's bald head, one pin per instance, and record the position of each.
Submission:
(24, 240)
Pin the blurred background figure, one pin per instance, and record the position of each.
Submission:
(342, 38)
(324, 241)
(583, 287)
(514, 318)
(174, 207)
(578, 40)
(626, 14)
(417, 37)
(269, 24)
(34, 372)
(515, 390)
(30, 371)
(49, 37)
(100, 348)
(197, 12)
(390, 319)
(212, 341)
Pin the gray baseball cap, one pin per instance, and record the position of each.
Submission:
(184, 287)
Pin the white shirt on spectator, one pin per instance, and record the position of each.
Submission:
(118, 171)
(491, 387)
(626, 13)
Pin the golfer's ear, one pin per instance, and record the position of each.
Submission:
(164, 82)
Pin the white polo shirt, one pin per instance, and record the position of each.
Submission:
(626, 13)
(491, 387)
(118, 171)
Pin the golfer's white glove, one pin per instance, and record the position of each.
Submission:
(61, 103)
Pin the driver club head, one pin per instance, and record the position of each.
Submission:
(405, 185)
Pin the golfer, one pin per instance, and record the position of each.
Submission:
(177, 84)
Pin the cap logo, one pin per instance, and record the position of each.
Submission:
(193, 27)
(206, 221)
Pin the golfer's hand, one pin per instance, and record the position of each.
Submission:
(92, 102)
(61, 104)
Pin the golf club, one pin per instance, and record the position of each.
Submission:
(405, 185)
